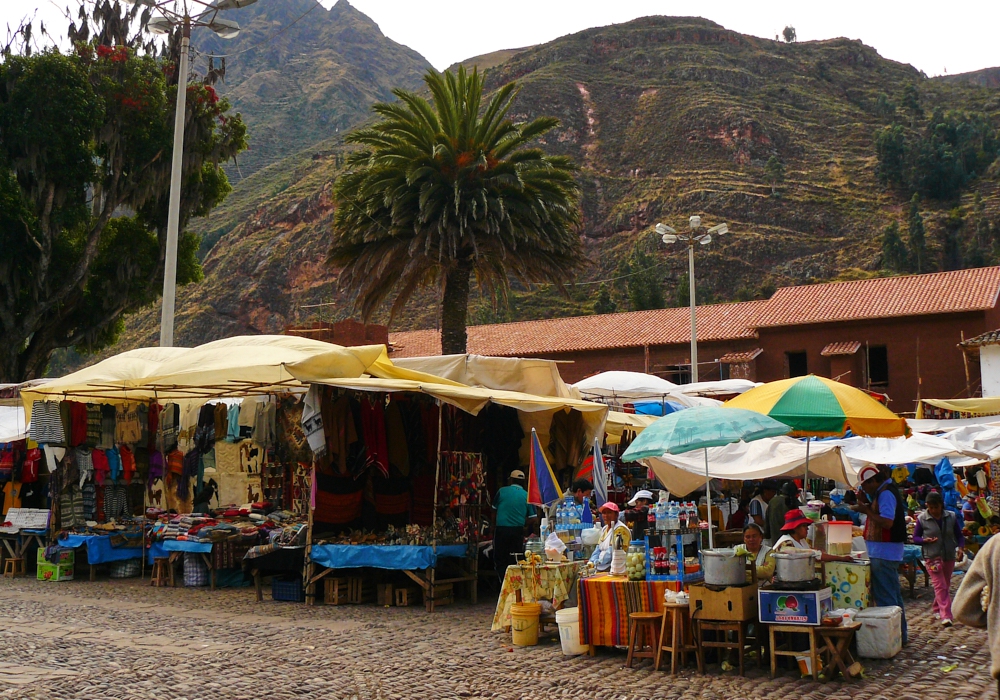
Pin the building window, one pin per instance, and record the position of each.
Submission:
(878, 366)
(678, 374)
(797, 365)
(724, 370)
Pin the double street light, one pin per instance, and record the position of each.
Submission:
(696, 234)
(169, 18)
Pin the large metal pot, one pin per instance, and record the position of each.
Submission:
(792, 566)
(724, 568)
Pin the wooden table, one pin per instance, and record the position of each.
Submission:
(837, 641)
(776, 651)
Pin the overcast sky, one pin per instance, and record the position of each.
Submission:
(936, 37)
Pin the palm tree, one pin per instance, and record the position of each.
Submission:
(440, 191)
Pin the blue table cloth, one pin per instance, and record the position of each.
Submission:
(912, 553)
(99, 549)
(398, 557)
(164, 548)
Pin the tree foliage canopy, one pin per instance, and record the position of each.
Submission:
(939, 160)
(439, 191)
(85, 149)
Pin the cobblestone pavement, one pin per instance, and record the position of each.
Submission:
(124, 639)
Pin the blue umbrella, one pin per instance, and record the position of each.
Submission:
(702, 427)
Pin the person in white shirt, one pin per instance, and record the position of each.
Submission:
(795, 531)
(758, 504)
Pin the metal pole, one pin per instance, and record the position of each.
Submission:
(174, 211)
(708, 499)
(694, 331)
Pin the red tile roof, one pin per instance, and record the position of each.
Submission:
(841, 347)
(733, 358)
(884, 297)
(604, 331)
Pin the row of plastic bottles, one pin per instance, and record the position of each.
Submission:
(569, 517)
(674, 515)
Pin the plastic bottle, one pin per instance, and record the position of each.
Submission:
(672, 567)
(560, 517)
(693, 516)
(673, 519)
(661, 516)
(544, 529)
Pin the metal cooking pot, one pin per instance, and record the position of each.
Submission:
(791, 566)
(724, 568)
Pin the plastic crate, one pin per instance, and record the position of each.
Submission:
(290, 590)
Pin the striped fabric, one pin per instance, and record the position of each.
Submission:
(195, 570)
(46, 423)
(605, 603)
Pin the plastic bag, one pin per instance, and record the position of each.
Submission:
(554, 547)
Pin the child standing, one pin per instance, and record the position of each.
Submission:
(940, 533)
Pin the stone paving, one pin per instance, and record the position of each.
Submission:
(124, 639)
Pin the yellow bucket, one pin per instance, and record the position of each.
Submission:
(524, 623)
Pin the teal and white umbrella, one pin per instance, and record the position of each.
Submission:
(698, 429)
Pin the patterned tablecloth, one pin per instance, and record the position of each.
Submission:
(552, 582)
(606, 601)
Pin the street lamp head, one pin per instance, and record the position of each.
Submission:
(147, 3)
(719, 230)
(225, 28)
(705, 240)
(664, 229)
(160, 25)
(694, 222)
(669, 238)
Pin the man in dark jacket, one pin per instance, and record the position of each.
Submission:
(786, 499)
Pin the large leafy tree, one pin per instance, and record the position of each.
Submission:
(444, 190)
(85, 147)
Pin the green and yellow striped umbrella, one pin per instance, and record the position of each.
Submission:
(819, 407)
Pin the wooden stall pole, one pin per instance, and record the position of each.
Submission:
(437, 478)
(307, 571)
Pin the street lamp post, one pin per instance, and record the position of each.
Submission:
(696, 235)
(227, 29)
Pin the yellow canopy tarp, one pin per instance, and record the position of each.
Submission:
(985, 406)
(617, 422)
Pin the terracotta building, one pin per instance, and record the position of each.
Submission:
(895, 335)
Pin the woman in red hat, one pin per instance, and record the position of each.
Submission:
(613, 530)
(795, 531)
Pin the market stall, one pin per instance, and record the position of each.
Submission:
(451, 445)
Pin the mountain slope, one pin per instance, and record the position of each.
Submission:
(987, 77)
(300, 73)
(667, 117)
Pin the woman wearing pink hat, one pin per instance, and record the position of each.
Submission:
(795, 531)
(613, 530)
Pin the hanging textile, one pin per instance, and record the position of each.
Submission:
(93, 425)
(395, 434)
(128, 463)
(102, 469)
(233, 428)
(567, 442)
(373, 427)
(221, 419)
(127, 428)
(108, 420)
(340, 431)
(46, 423)
(85, 463)
(78, 423)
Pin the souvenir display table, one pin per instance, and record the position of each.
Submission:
(270, 560)
(530, 584)
(100, 549)
(27, 526)
(606, 601)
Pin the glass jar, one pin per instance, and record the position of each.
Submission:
(635, 561)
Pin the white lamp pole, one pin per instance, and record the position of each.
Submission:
(670, 235)
(174, 210)
(227, 29)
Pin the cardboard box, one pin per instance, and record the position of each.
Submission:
(732, 603)
(850, 583)
(55, 572)
(66, 556)
(794, 607)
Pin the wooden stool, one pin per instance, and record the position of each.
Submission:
(160, 575)
(837, 642)
(642, 627)
(680, 618)
(724, 626)
(13, 566)
(813, 651)
(405, 597)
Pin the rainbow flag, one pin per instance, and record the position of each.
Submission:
(543, 488)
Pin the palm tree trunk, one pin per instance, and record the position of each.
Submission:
(455, 309)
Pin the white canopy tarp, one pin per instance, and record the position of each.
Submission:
(930, 425)
(978, 442)
(12, 425)
(772, 457)
(919, 448)
(626, 387)
(721, 387)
